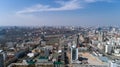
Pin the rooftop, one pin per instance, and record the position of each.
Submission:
(92, 59)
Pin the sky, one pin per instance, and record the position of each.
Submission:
(59, 12)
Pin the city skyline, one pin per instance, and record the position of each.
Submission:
(59, 12)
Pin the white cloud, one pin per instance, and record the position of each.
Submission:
(69, 5)
(91, 1)
(64, 5)
(35, 8)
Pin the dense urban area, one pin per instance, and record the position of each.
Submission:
(60, 46)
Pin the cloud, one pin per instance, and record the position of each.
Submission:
(63, 6)
(92, 1)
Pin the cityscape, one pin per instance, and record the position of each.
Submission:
(59, 33)
(63, 46)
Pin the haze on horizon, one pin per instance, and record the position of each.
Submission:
(59, 12)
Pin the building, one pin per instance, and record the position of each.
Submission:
(74, 53)
(1, 61)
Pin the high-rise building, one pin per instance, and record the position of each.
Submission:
(100, 36)
(78, 40)
(74, 53)
(1, 60)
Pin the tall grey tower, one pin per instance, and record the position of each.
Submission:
(78, 40)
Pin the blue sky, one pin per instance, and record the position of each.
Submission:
(59, 12)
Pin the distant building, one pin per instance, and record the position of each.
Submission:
(100, 36)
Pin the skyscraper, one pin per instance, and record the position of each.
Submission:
(78, 40)
(1, 61)
(74, 53)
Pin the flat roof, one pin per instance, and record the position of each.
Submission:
(92, 59)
